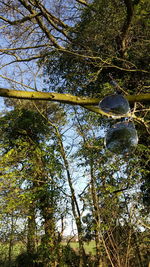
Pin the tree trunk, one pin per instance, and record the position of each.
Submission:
(96, 215)
(74, 204)
(49, 242)
(31, 236)
(97, 219)
(11, 240)
(137, 249)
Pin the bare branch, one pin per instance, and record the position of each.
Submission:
(19, 21)
(14, 81)
(41, 24)
(23, 48)
(82, 2)
(54, 22)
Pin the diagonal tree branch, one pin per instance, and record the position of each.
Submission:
(41, 24)
(83, 2)
(19, 21)
(54, 22)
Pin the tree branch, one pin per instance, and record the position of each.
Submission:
(82, 2)
(88, 103)
(23, 48)
(42, 25)
(63, 98)
(54, 22)
(19, 21)
(122, 39)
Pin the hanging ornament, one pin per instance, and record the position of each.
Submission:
(121, 138)
(115, 105)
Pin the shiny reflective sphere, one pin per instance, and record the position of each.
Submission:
(121, 138)
(115, 104)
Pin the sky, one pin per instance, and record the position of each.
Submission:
(2, 106)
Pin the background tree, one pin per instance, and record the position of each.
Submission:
(111, 197)
(23, 137)
(80, 47)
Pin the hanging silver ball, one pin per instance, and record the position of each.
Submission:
(115, 104)
(121, 138)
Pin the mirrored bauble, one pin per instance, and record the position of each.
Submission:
(115, 104)
(121, 138)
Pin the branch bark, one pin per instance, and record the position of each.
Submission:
(122, 39)
(85, 102)
(65, 98)
(19, 21)
(41, 24)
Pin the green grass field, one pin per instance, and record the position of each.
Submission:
(89, 247)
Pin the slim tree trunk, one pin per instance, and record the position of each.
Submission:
(49, 242)
(74, 203)
(31, 236)
(49, 239)
(76, 214)
(47, 206)
(11, 240)
(137, 249)
(96, 214)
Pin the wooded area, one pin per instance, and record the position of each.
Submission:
(59, 180)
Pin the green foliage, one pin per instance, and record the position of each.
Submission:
(144, 161)
(69, 257)
(25, 259)
(107, 39)
(112, 198)
(97, 50)
(111, 37)
(18, 248)
(22, 125)
(30, 181)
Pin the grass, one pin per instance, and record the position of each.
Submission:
(89, 247)
(17, 249)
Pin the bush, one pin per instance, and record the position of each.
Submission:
(69, 257)
(30, 260)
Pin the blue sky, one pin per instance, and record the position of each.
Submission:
(2, 106)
